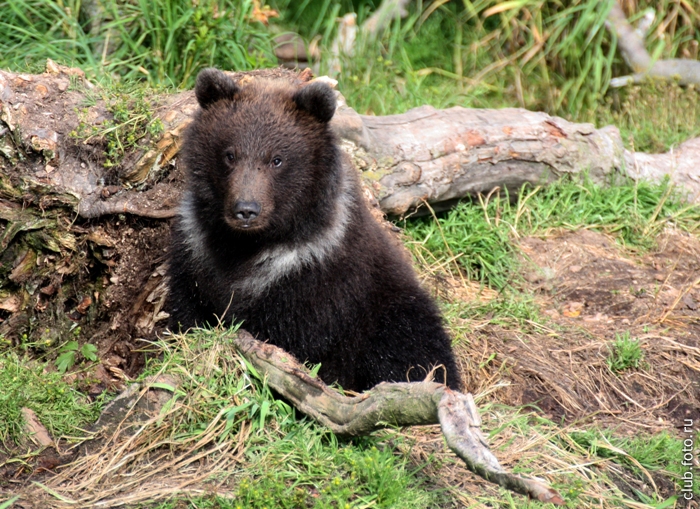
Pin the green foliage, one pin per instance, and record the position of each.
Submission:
(34, 30)
(539, 54)
(653, 116)
(509, 309)
(69, 352)
(8, 503)
(481, 247)
(163, 42)
(309, 468)
(132, 123)
(478, 235)
(652, 452)
(625, 353)
(213, 388)
(639, 454)
(27, 383)
(174, 40)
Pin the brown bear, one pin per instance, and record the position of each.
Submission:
(273, 231)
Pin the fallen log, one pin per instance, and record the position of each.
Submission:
(54, 146)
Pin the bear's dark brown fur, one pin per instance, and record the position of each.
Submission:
(273, 230)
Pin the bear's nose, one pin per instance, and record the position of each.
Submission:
(246, 210)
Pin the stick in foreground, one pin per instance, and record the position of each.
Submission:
(389, 404)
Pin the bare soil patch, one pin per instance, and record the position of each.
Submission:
(593, 289)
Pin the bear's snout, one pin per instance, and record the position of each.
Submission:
(246, 211)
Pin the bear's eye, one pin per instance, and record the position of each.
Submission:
(277, 162)
(230, 156)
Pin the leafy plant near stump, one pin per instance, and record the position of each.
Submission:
(69, 354)
(32, 384)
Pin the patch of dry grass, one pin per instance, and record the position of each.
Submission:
(157, 450)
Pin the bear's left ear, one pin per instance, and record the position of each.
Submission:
(318, 99)
(213, 85)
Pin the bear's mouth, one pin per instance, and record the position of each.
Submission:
(246, 215)
(246, 225)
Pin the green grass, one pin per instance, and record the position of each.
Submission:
(165, 43)
(509, 309)
(657, 452)
(479, 235)
(310, 467)
(654, 116)
(33, 384)
(8, 503)
(625, 353)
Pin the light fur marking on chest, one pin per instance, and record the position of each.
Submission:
(273, 264)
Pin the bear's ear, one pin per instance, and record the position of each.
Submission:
(213, 85)
(318, 99)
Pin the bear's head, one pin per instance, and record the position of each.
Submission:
(261, 157)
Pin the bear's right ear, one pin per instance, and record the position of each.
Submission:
(212, 86)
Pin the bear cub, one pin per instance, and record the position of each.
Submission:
(274, 230)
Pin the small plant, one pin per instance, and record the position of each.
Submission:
(69, 353)
(625, 353)
(132, 124)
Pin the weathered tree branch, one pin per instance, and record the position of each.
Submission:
(389, 404)
(633, 50)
